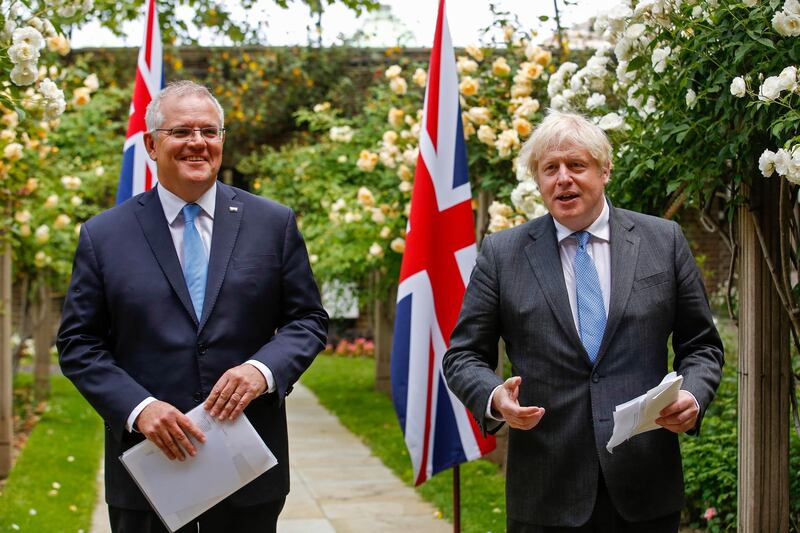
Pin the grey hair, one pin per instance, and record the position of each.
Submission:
(154, 118)
(560, 130)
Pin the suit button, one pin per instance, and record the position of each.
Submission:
(197, 397)
(595, 378)
(202, 348)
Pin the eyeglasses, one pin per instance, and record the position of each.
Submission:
(187, 134)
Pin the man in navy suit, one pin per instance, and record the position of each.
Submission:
(193, 292)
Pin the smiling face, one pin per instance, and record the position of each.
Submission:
(187, 169)
(572, 184)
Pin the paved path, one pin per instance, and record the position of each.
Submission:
(337, 485)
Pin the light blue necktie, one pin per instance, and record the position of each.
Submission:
(591, 311)
(195, 263)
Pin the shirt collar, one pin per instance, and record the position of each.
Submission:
(600, 228)
(173, 204)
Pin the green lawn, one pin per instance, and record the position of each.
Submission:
(346, 387)
(52, 486)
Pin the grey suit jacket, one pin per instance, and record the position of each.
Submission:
(517, 292)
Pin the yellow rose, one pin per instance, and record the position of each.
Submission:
(393, 71)
(396, 117)
(522, 126)
(500, 67)
(469, 86)
(398, 85)
(420, 77)
(398, 245)
(475, 52)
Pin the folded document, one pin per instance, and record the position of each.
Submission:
(639, 415)
(232, 456)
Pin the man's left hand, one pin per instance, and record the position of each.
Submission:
(234, 391)
(681, 415)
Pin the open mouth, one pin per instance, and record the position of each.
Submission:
(194, 159)
(566, 197)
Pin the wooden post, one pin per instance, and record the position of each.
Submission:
(42, 339)
(383, 332)
(763, 372)
(6, 420)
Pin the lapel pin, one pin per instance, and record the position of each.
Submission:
(233, 209)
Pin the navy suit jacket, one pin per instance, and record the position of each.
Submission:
(129, 330)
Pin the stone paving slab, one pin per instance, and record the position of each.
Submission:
(337, 485)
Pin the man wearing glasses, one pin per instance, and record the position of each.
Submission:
(193, 292)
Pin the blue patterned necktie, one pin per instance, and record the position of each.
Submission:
(195, 263)
(591, 311)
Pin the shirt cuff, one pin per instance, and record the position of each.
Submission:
(489, 413)
(135, 414)
(266, 372)
(695, 401)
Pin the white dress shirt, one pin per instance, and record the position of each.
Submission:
(204, 222)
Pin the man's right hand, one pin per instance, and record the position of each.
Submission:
(167, 427)
(505, 402)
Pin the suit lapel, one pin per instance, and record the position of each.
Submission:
(156, 230)
(227, 218)
(545, 260)
(624, 254)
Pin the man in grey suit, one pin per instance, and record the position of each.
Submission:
(586, 299)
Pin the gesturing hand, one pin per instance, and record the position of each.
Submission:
(505, 402)
(163, 424)
(234, 391)
(681, 415)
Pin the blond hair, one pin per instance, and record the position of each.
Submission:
(154, 118)
(561, 130)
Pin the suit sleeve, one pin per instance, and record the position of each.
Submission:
(303, 327)
(83, 343)
(472, 356)
(695, 340)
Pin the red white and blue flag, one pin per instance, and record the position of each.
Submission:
(439, 255)
(138, 172)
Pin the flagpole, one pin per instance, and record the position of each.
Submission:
(456, 499)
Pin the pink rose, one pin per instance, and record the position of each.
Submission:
(710, 513)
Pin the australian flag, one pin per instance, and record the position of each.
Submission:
(138, 172)
(439, 255)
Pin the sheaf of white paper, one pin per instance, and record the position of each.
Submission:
(639, 414)
(232, 456)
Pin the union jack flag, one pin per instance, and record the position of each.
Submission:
(439, 255)
(138, 172)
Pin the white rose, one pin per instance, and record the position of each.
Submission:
(786, 24)
(770, 89)
(91, 82)
(788, 78)
(792, 7)
(377, 216)
(23, 217)
(75, 201)
(783, 160)
(385, 232)
(635, 31)
(28, 34)
(659, 58)
(465, 65)
(12, 151)
(393, 71)
(500, 209)
(51, 202)
(405, 186)
(24, 74)
(595, 100)
(419, 77)
(738, 87)
(611, 121)
(42, 234)
(376, 250)
(691, 99)
(22, 53)
(398, 85)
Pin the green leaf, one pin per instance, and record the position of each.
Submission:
(763, 40)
